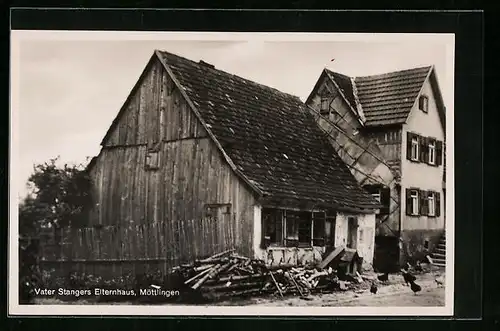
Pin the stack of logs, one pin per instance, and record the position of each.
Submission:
(229, 274)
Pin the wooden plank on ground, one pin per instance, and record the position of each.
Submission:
(327, 260)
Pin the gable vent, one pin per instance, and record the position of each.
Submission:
(205, 64)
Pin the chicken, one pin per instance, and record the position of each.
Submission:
(439, 281)
(373, 288)
(383, 277)
(415, 287)
(418, 267)
(408, 277)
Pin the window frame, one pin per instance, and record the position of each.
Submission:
(424, 103)
(415, 195)
(432, 152)
(325, 101)
(431, 197)
(414, 147)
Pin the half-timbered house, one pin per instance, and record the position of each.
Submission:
(192, 141)
(390, 130)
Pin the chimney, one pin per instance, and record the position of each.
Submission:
(205, 64)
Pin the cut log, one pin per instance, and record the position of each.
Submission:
(210, 273)
(215, 256)
(276, 283)
(336, 252)
(235, 279)
(204, 272)
(204, 267)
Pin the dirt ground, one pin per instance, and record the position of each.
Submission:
(390, 294)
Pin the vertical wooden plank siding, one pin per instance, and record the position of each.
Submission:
(161, 213)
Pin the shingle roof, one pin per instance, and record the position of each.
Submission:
(387, 98)
(270, 136)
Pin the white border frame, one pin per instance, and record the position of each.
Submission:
(186, 310)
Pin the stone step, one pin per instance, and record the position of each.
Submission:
(440, 251)
(438, 256)
(441, 246)
(438, 261)
(439, 264)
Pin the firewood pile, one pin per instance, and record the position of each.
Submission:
(228, 274)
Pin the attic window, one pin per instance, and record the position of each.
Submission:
(325, 106)
(423, 103)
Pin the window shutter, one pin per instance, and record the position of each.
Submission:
(439, 153)
(409, 137)
(424, 203)
(409, 203)
(385, 199)
(421, 103)
(424, 146)
(437, 202)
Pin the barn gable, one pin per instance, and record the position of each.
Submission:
(147, 116)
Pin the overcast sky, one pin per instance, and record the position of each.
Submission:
(69, 91)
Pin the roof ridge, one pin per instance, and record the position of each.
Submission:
(428, 67)
(384, 73)
(230, 74)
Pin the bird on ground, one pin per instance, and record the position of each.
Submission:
(408, 277)
(415, 287)
(373, 288)
(384, 277)
(439, 281)
(418, 267)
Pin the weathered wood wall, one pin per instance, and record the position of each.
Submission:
(359, 150)
(191, 171)
(113, 251)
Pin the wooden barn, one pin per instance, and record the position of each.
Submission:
(390, 131)
(192, 142)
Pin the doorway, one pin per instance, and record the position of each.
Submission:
(352, 232)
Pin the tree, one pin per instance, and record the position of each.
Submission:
(60, 197)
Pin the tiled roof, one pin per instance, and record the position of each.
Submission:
(270, 136)
(387, 98)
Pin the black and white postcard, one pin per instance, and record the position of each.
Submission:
(188, 173)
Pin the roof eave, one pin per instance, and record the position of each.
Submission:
(316, 86)
(419, 94)
(345, 99)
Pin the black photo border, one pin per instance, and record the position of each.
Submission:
(468, 122)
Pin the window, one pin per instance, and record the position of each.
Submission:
(414, 148)
(273, 226)
(325, 106)
(318, 223)
(414, 198)
(382, 195)
(412, 202)
(431, 204)
(423, 103)
(152, 161)
(292, 228)
(432, 152)
(298, 228)
(376, 196)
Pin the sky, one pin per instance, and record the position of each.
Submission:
(67, 90)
